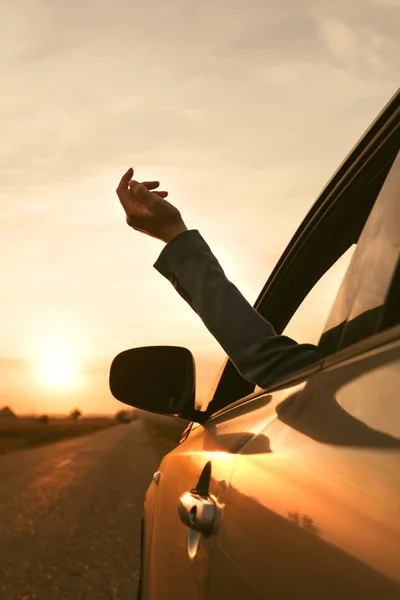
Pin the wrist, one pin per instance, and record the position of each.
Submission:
(173, 231)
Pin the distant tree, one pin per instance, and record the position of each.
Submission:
(295, 517)
(304, 521)
(44, 419)
(122, 416)
(7, 413)
(75, 414)
(308, 523)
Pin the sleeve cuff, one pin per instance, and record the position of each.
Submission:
(178, 251)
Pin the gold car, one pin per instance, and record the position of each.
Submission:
(292, 492)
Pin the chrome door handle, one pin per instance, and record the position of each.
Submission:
(197, 512)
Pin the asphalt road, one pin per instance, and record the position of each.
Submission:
(70, 516)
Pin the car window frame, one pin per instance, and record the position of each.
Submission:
(371, 344)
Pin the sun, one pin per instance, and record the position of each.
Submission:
(57, 364)
(58, 372)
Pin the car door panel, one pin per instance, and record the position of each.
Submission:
(319, 515)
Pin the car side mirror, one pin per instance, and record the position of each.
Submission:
(159, 379)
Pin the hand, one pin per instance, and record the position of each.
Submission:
(147, 210)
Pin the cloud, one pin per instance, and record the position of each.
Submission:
(340, 39)
(363, 39)
(93, 88)
(351, 46)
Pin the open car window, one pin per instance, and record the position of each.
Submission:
(308, 322)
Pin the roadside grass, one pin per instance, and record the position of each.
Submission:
(22, 433)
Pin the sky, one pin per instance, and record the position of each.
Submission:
(243, 110)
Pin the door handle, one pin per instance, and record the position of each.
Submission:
(199, 513)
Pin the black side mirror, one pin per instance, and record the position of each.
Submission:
(156, 378)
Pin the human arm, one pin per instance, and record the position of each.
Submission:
(259, 354)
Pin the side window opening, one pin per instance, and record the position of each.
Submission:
(307, 323)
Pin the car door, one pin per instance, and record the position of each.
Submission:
(180, 557)
(318, 514)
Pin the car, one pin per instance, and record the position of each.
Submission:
(292, 492)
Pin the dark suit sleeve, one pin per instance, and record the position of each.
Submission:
(259, 354)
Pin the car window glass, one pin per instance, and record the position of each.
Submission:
(374, 262)
(308, 321)
(358, 306)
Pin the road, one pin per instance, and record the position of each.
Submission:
(70, 516)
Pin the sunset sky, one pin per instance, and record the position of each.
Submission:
(243, 110)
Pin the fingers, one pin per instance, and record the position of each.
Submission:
(151, 185)
(124, 183)
(139, 189)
